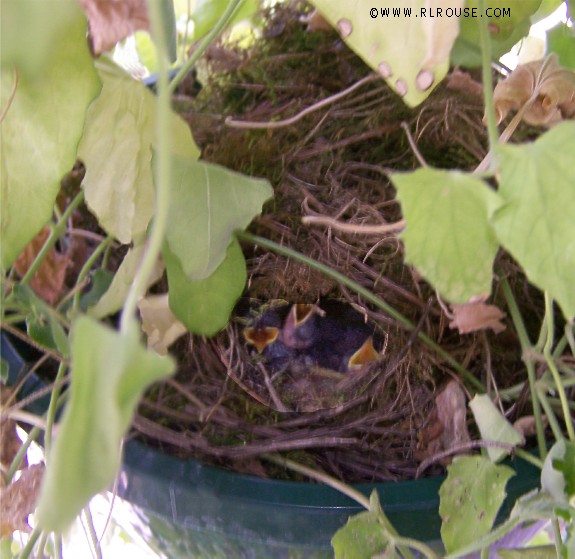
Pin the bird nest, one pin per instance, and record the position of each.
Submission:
(230, 402)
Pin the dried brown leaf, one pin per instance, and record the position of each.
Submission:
(551, 86)
(112, 21)
(48, 281)
(471, 317)
(19, 500)
(159, 323)
(448, 425)
(10, 443)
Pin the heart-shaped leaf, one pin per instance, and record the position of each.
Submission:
(536, 221)
(448, 237)
(208, 203)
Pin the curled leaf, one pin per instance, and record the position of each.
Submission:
(159, 323)
(111, 22)
(545, 85)
(474, 316)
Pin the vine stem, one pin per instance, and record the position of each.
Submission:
(403, 543)
(364, 292)
(162, 172)
(56, 231)
(553, 368)
(527, 356)
(204, 43)
(492, 132)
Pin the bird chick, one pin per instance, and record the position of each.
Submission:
(301, 327)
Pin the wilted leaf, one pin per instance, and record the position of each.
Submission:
(117, 151)
(111, 22)
(447, 426)
(471, 317)
(110, 371)
(159, 323)
(470, 498)
(493, 426)
(362, 537)
(40, 131)
(403, 42)
(19, 500)
(535, 222)
(208, 204)
(48, 281)
(552, 86)
(115, 296)
(10, 443)
(205, 305)
(448, 237)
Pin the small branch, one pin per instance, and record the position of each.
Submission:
(413, 145)
(362, 229)
(292, 120)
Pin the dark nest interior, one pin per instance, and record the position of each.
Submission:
(333, 162)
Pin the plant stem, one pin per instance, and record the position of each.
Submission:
(364, 292)
(162, 174)
(29, 547)
(527, 357)
(528, 457)
(16, 461)
(52, 408)
(204, 43)
(352, 493)
(553, 368)
(87, 267)
(549, 413)
(492, 132)
(56, 231)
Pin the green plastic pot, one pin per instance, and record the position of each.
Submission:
(189, 510)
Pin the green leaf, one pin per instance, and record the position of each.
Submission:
(117, 151)
(540, 552)
(409, 47)
(39, 133)
(470, 498)
(110, 371)
(41, 324)
(204, 306)
(558, 473)
(493, 426)
(513, 24)
(448, 237)
(207, 12)
(208, 203)
(561, 41)
(535, 222)
(362, 537)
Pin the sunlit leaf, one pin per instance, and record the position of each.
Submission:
(535, 223)
(207, 12)
(448, 237)
(470, 498)
(493, 426)
(204, 306)
(40, 131)
(117, 151)
(558, 473)
(110, 371)
(405, 42)
(30, 32)
(208, 203)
